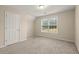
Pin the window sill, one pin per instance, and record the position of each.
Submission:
(50, 32)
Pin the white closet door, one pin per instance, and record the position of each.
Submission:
(12, 28)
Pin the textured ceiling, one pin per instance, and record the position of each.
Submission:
(33, 10)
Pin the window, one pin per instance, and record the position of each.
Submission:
(49, 25)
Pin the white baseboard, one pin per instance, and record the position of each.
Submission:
(22, 40)
(59, 39)
(2, 46)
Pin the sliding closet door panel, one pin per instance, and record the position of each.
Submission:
(12, 28)
(7, 30)
(17, 27)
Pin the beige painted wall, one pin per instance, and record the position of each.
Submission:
(77, 27)
(1, 27)
(65, 26)
(30, 26)
(26, 25)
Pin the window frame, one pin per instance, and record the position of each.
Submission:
(48, 18)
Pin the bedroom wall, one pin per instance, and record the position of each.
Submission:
(65, 26)
(2, 28)
(77, 27)
(26, 25)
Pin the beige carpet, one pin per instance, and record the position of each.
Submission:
(41, 45)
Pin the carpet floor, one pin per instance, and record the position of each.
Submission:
(40, 45)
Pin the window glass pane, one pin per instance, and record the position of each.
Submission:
(45, 25)
(52, 21)
(53, 25)
(49, 25)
